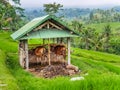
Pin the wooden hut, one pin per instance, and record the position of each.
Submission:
(46, 27)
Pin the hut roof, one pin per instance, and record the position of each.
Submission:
(29, 31)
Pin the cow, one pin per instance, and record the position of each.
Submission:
(39, 52)
(60, 50)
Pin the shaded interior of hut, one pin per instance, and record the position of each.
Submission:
(50, 51)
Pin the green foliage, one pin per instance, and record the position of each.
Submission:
(10, 16)
(107, 34)
(101, 16)
(91, 16)
(77, 26)
(7, 80)
(99, 37)
(86, 15)
(52, 8)
(96, 55)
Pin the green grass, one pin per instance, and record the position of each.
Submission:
(6, 78)
(103, 70)
(115, 33)
(115, 26)
(105, 57)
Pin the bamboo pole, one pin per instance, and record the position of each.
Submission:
(48, 26)
(68, 41)
(20, 53)
(26, 54)
(49, 51)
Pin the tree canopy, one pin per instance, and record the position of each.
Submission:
(52, 8)
(10, 15)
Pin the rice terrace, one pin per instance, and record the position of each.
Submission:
(55, 47)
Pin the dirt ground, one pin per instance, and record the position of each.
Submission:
(53, 70)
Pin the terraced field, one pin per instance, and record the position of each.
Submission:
(102, 69)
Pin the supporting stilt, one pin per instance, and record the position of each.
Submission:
(22, 53)
(48, 26)
(21, 50)
(26, 54)
(49, 52)
(69, 61)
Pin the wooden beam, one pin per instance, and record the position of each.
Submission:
(26, 55)
(68, 41)
(41, 26)
(48, 26)
(46, 23)
(55, 25)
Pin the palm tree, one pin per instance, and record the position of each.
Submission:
(52, 8)
(10, 15)
(87, 35)
(77, 26)
(106, 34)
(97, 41)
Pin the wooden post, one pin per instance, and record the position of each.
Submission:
(57, 40)
(26, 54)
(68, 41)
(21, 53)
(48, 26)
(49, 51)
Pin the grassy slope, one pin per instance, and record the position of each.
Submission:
(7, 81)
(115, 28)
(103, 71)
(99, 27)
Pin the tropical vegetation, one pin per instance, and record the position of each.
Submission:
(100, 70)
(96, 52)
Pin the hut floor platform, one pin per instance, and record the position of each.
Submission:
(53, 70)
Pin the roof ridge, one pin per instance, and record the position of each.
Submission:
(40, 17)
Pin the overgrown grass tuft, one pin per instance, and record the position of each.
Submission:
(7, 80)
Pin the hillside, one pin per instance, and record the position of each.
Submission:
(81, 14)
(101, 71)
(68, 13)
(99, 27)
